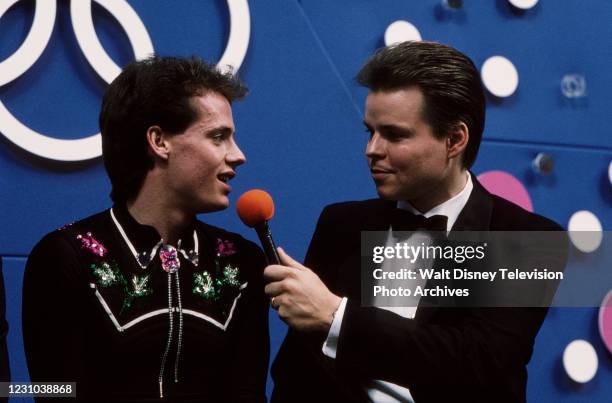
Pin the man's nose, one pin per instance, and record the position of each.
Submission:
(375, 147)
(235, 156)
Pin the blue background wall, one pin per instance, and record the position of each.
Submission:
(301, 126)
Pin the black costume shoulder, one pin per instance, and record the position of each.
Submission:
(96, 311)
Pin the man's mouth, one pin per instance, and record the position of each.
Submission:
(380, 174)
(226, 176)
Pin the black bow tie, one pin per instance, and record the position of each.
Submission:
(406, 221)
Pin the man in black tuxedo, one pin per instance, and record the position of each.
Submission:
(425, 114)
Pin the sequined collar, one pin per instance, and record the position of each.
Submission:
(144, 241)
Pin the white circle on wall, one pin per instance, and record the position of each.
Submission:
(499, 76)
(585, 231)
(580, 361)
(27, 54)
(523, 4)
(33, 45)
(610, 172)
(83, 25)
(401, 31)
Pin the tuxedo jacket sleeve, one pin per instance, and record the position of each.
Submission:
(300, 371)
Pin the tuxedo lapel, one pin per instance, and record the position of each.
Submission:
(380, 217)
(476, 215)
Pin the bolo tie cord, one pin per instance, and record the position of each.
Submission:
(180, 335)
(171, 332)
(171, 264)
(169, 339)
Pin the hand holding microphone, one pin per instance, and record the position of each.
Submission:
(296, 292)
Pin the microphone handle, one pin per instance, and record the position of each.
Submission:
(265, 237)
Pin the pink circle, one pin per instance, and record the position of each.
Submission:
(605, 321)
(504, 185)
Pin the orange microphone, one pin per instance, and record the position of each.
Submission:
(255, 208)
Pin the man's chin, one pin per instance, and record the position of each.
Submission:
(214, 207)
(386, 194)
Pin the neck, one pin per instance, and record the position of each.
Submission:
(151, 207)
(441, 192)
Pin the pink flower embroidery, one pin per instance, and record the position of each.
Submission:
(225, 247)
(89, 242)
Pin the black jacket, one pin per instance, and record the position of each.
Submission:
(96, 313)
(443, 355)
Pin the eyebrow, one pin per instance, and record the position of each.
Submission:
(397, 128)
(391, 127)
(226, 130)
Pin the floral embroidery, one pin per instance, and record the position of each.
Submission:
(108, 275)
(169, 258)
(225, 248)
(230, 275)
(203, 283)
(139, 288)
(90, 243)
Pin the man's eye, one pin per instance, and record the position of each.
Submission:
(393, 136)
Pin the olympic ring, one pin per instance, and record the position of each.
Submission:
(82, 21)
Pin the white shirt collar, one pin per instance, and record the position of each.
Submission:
(450, 208)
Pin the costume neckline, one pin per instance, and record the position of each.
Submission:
(144, 241)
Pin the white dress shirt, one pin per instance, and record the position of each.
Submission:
(377, 390)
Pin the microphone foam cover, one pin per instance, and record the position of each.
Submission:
(254, 207)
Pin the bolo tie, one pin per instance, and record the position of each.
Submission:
(170, 264)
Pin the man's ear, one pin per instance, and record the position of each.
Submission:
(158, 142)
(457, 140)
